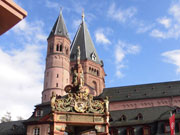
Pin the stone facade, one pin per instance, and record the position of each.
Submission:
(134, 110)
(56, 75)
(59, 66)
(57, 72)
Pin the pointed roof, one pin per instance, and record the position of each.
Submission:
(59, 28)
(83, 39)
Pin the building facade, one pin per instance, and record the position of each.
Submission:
(134, 110)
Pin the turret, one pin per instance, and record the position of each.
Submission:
(57, 75)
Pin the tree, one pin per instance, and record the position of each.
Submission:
(6, 117)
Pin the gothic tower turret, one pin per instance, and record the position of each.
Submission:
(57, 75)
(92, 66)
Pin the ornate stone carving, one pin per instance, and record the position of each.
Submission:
(79, 102)
(78, 99)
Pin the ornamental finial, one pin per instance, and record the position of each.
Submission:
(83, 15)
(61, 10)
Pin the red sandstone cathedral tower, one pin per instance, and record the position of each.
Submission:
(57, 75)
(60, 60)
(92, 66)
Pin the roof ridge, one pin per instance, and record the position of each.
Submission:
(83, 22)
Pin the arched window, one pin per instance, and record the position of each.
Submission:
(94, 70)
(56, 84)
(89, 69)
(94, 85)
(97, 73)
(61, 47)
(139, 116)
(57, 47)
(122, 118)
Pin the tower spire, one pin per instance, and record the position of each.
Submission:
(59, 28)
(57, 74)
(94, 72)
(83, 15)
(83, 39)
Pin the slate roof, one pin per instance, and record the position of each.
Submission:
(12, 128)
(145, 91)
(59, 28)
(83, 39)
(45, 107)
(150, 115)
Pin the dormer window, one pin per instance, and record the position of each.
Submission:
(139, 116)
(123, 118)
(39, 113)
(93, 56)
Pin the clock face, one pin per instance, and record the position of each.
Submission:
(93, 56)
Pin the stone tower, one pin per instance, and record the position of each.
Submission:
(57, 75)
(92, 66)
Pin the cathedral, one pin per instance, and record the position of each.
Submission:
(129, 110)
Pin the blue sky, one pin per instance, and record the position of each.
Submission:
(138, 40)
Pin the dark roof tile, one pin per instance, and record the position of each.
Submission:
(137, 92)
(83, 39)
(59, 28)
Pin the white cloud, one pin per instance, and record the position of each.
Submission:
(175, 11)
(21, 76)
(171, 23)
(173, 57)
(51, 4)
(30, 31)
(121, 15)
(121, 50)
(158, 34)
(101, 36)
(20, 80)
(166, 22)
